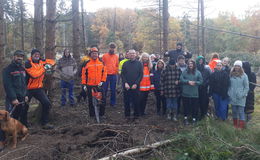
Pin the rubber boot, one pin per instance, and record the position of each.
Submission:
(235, 122)
(241, 124)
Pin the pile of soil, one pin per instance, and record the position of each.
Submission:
(77, 136)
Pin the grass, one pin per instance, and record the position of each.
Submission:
(216, 140)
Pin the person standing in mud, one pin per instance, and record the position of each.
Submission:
(15, 88)
(68, 69)
(93, 75)
(111, 62)
(36, 67)
(132, 74)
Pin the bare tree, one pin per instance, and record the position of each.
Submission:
(76, 31)
(83, 25)
(38, 24)
(50, 29)
(165, 25)
(21, 5)
(202, 29)
(2, 42)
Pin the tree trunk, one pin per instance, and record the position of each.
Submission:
(83, 26)
(198, 29)
(50, 29)
(202, 29)
(76, 33)
(2, 41)
(165, 25)
(38, 24)
(21, 5)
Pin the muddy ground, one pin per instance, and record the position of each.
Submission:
(77, 136)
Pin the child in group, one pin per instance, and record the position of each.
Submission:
(170, 80)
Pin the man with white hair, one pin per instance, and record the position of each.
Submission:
(132, 73)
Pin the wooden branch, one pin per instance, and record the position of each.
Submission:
(138, 150)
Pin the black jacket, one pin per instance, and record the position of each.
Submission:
(219, 83)
(174, 54)
(132, 72)
(14, 81)
(250, 99)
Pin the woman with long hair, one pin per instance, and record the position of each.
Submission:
(239, 87)
(160, 99)
(191, 78)
(146, 82)
(219, 83)
(213, 61)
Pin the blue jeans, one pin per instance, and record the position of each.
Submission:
(221, 106)
(64, 86)
(111, 80)
(238, 112)
(171, 103)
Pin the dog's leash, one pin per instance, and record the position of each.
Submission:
(12, 111)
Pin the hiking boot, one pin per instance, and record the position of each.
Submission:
(186, 122)
(194, 121)
(47, 126)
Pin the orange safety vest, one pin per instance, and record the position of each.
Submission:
(146, 84)
(36, 73)
(93, 73)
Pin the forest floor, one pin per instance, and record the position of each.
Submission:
(76, 136)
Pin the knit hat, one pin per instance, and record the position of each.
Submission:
(18, 52)
(238, 63)
(35, 51)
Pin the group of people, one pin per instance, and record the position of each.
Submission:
(181, 85)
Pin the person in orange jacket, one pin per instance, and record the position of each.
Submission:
(214, 60)
(36, 68)
(94, 74)
(111, 62)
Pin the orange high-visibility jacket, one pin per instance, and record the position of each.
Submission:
(213, 63)
(111, 62)
(36, 72)
(93, 73)
(146, 82)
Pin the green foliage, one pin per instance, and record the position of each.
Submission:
(214, 140)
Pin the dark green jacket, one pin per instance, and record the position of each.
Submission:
(14, 81)
(188, 90)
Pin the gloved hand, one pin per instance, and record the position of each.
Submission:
(85, 88)
(100, 84)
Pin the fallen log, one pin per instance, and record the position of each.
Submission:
(138, 150)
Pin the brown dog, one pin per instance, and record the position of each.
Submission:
(12, 127)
